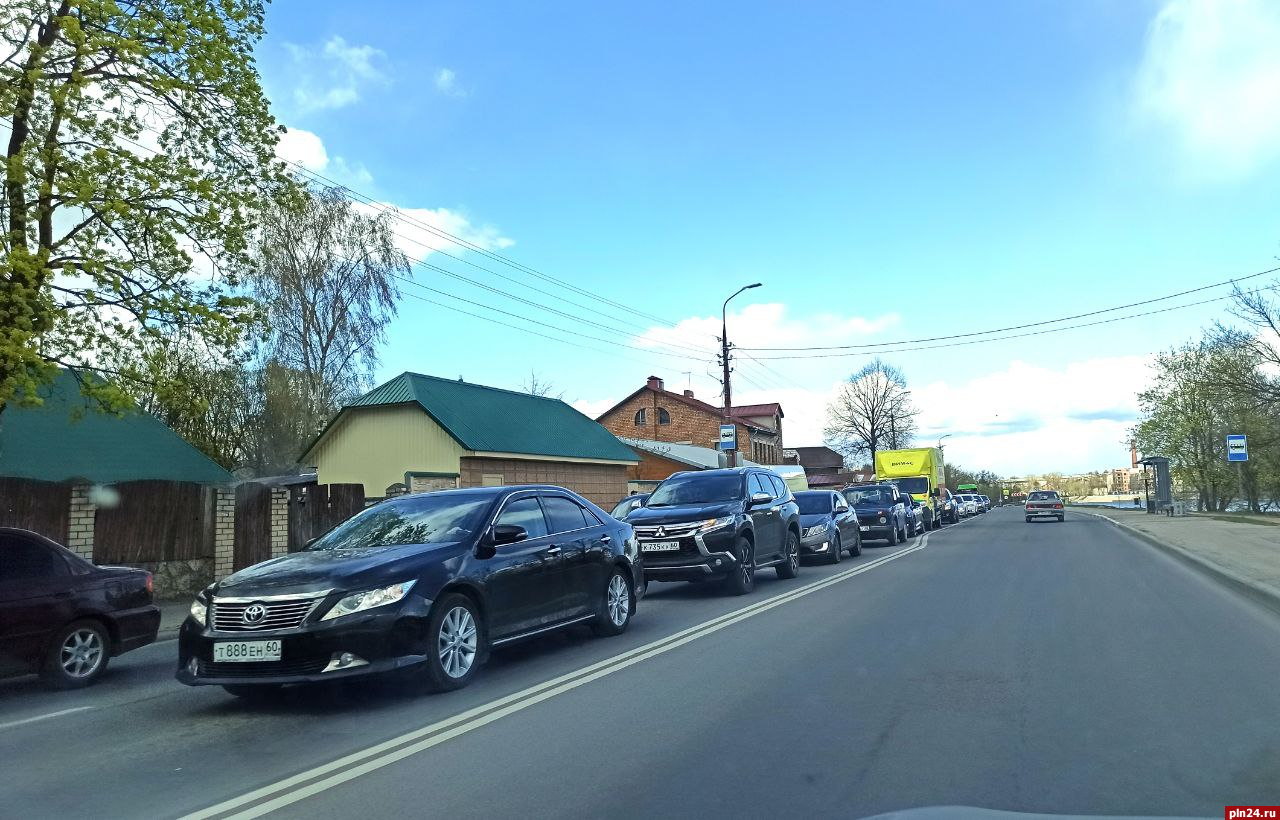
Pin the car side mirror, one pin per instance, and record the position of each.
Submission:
(758, 499)
(507, 534)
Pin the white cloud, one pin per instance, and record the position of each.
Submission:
(335, 74)
(447, 83)
(308, 150)
(1025, 418)
(304, 148)
(768, 325)
(418, 242)
(1211, 73)
(1033, 418)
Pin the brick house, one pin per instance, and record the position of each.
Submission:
(654, 413)
(427, 433)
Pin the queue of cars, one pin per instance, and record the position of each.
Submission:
(426, 584)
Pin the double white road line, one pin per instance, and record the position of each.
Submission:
(322, 778)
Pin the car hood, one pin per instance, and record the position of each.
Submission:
(814, 519)
(320, 570)
(652, 516)
(869, 506)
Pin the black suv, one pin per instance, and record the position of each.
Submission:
(719, 524)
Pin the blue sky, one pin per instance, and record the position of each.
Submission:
(888, 171)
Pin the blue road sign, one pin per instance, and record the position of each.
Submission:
(728, 437)
(1237, 448)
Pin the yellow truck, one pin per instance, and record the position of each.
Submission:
(918, 472)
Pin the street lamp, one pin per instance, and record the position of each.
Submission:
(724, 360)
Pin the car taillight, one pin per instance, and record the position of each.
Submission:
(1057, 506)
(150, 583)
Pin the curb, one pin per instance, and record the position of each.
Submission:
(1259, 594)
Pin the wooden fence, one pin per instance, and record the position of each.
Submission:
(155, 521)
(317, 508)
(253, 525)
(40, 506)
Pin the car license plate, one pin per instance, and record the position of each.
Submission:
(246, 651)
(865, 529)
(660, 546)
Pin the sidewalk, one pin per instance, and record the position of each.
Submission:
(1245, 556)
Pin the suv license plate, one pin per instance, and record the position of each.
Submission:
(660, 546)
(246, 651)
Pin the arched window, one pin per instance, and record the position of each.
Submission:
(640, 417)
(663, 416)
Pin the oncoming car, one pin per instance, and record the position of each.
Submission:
(425, 583)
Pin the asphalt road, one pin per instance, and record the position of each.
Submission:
(1062, 668)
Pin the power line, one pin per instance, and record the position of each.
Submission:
(457, 240)
(999, 338)
(1023, 327)
(396, 214)
(493, 309)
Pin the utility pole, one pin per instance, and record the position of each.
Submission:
(732, 454)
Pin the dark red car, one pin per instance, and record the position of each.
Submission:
(64, 617)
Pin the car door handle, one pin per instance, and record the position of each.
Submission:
(604, 539)
(553, 550)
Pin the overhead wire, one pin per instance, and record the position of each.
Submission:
(997, 338)
(1032, 324)
(499, 291)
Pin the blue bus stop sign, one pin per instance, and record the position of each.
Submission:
(1237, 448)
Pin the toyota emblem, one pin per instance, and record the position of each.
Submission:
(254, 614)
(662, 532)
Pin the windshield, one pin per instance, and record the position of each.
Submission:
(626, 505)
(1043, 495)
(814, 503)
(916, 485)
(420, 519)
(697, 489)
(863, 496)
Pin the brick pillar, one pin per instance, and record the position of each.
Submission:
(83, 513)
(224, 532)
(279, 522)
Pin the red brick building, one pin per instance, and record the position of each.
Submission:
(657, 414)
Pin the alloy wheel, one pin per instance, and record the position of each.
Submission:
(82, 653)
(747, 566)
(618, 600)
(457, 643)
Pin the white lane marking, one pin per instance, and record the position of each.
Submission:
(58, 713)
(329, 775)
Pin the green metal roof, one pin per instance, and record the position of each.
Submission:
(488, 419)
(68, 437)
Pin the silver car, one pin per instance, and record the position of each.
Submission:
(1044, 504)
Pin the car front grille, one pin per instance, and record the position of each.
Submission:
(282, 614)
(670, 532)
(262, 669)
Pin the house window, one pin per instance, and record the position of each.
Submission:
(663, 416)
(640, 417)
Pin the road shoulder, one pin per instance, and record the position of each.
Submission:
(1244, 557)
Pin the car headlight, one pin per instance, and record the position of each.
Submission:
(817, 529)
(200, 611)
(360, 601)
(714, 523)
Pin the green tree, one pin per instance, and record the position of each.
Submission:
(1187, 413)
(139, 140)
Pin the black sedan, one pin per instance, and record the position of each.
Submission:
(829, 526)
(64, 617)
(427, 583)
